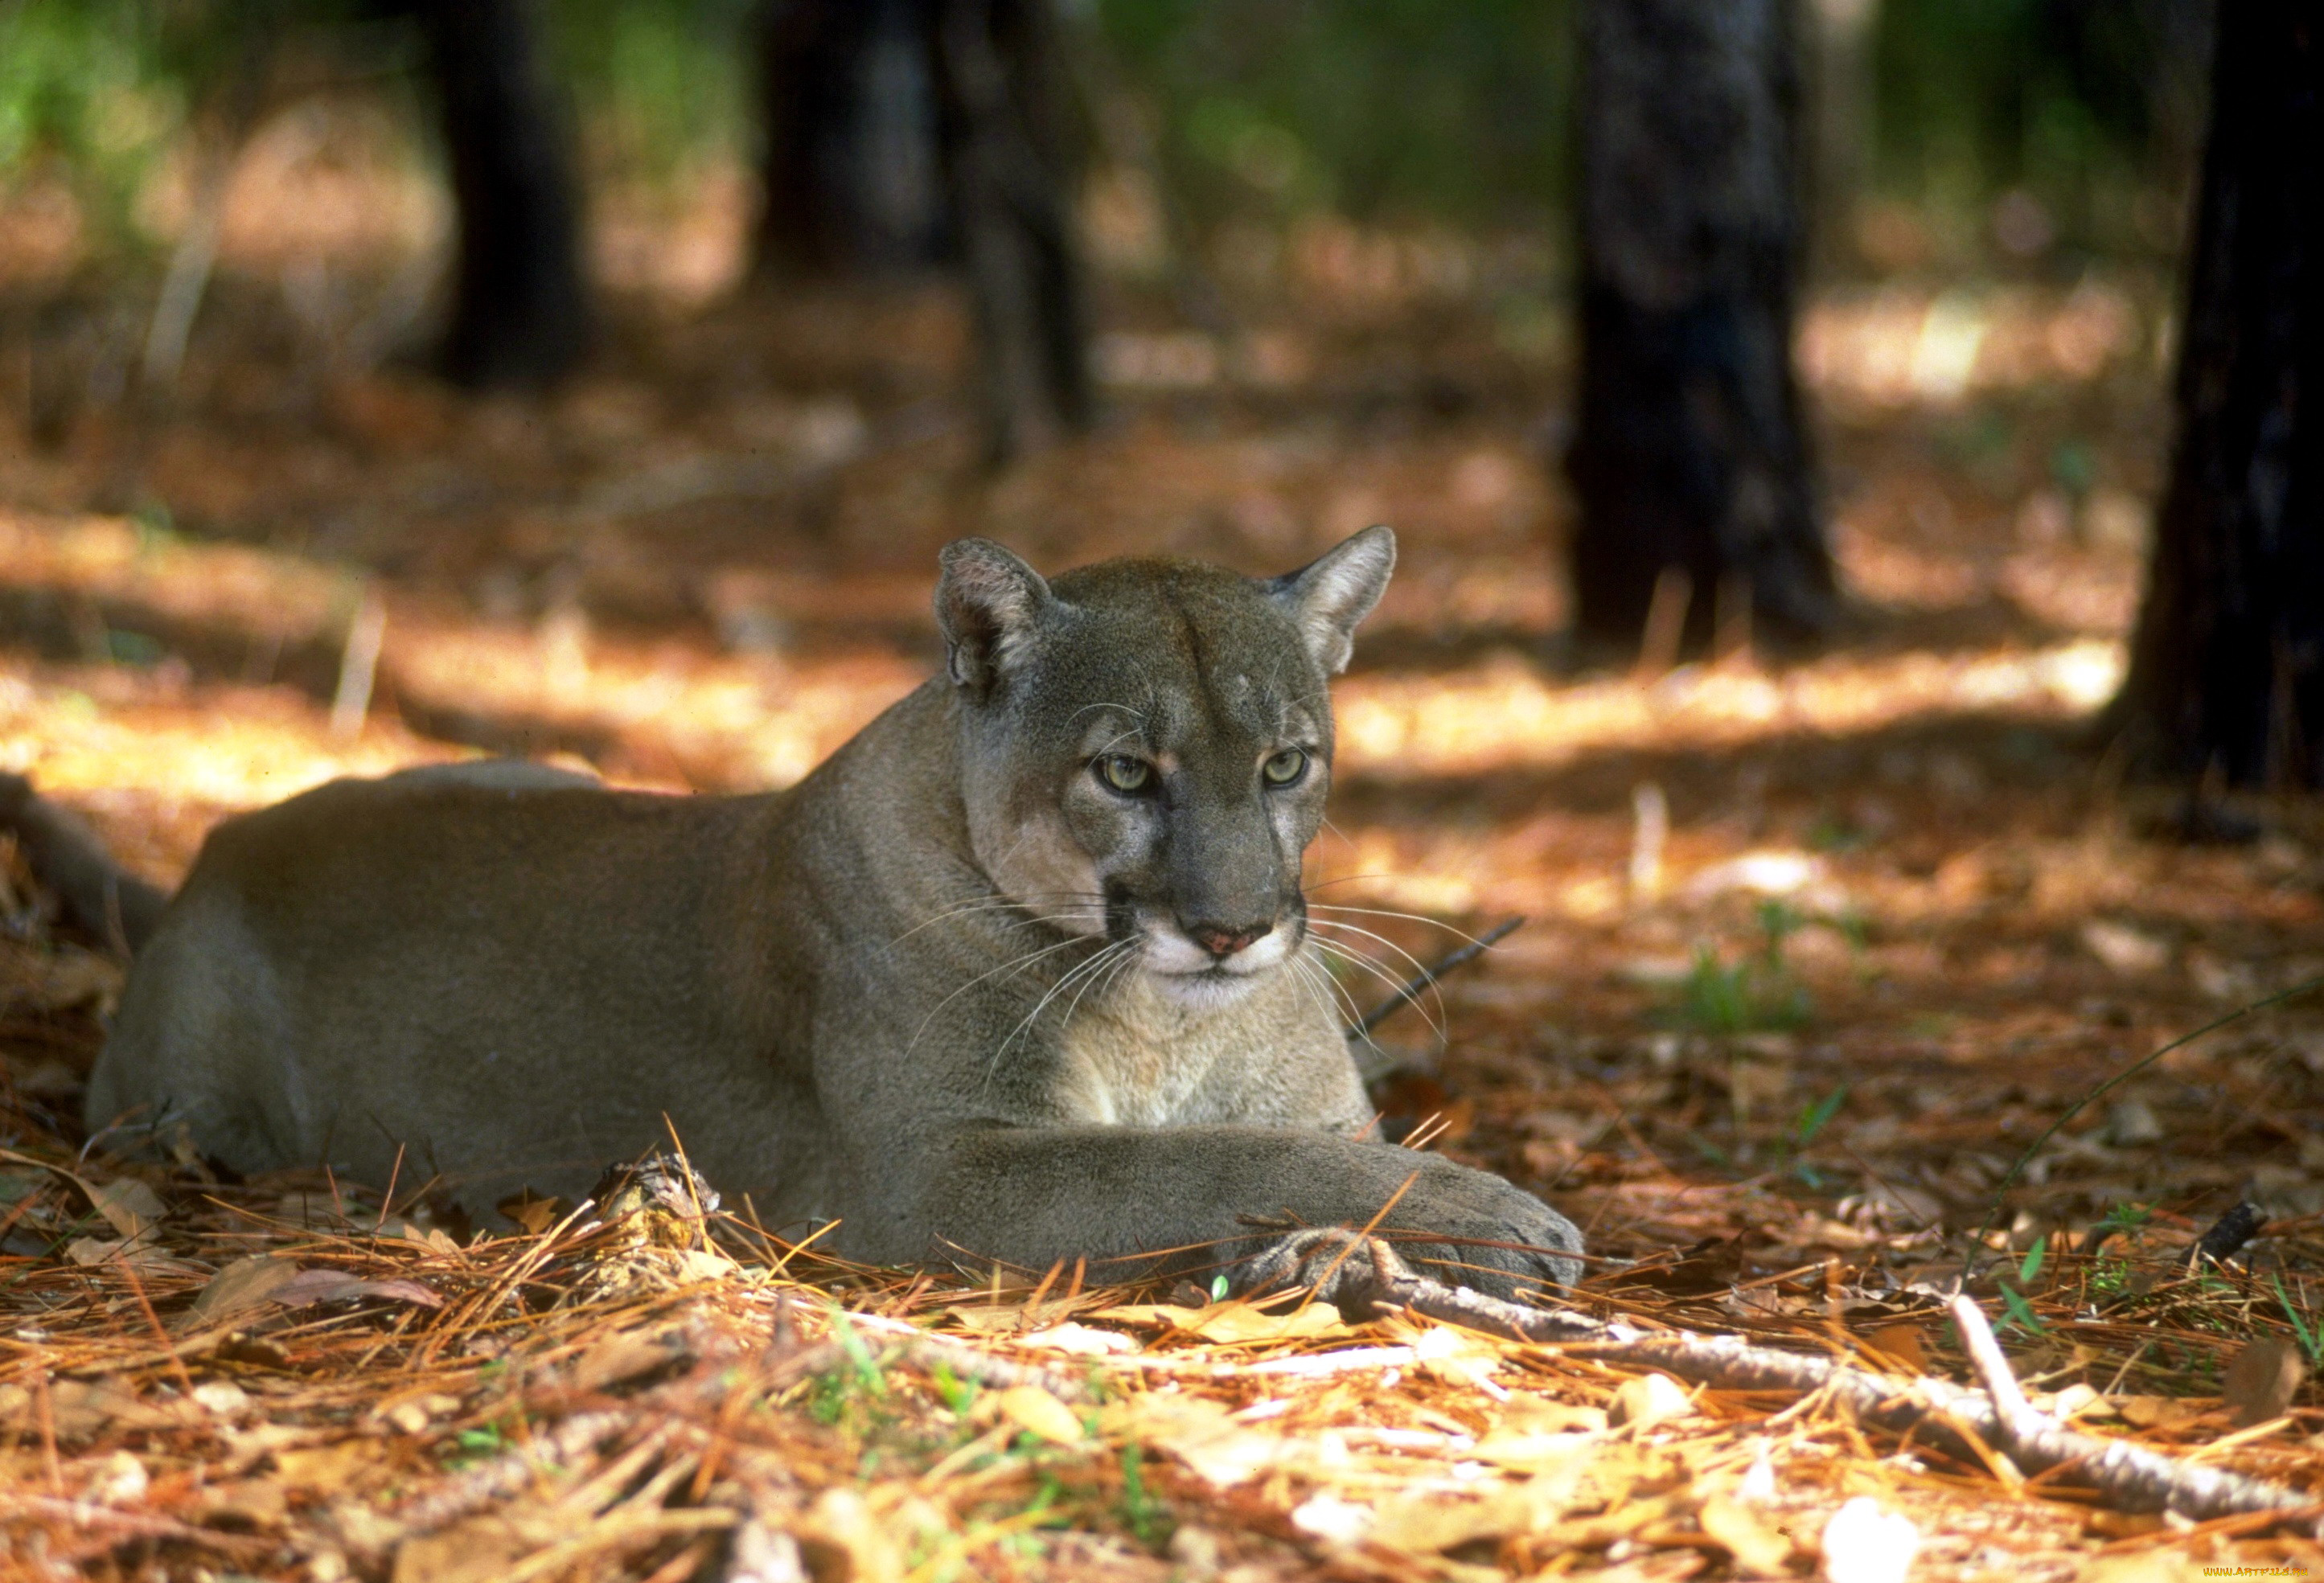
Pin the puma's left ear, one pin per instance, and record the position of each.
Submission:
(987, 600)
(1328, 596)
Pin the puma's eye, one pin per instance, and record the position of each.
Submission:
(1123, 773)
(1285, 768)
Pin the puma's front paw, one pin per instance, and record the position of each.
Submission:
(1470, 1228)
(1464, 1227)
(1355, 1273)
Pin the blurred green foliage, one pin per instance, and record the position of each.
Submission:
(97, 92)
(94, 91)
(1457, 111)
(2090, 106)
(661, 85)
(1461, 110)
(1454, 111)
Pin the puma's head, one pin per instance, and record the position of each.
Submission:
(1146, 745)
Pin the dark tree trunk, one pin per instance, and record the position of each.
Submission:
(520, 310)
(2227, 666)
(1689, 457)
(906, 133)
(1010, 174)
(853, 183)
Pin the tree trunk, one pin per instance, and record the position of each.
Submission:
(853, 185)
(520, 310)
(2227, 665)
(1689, 457)
(999, 83)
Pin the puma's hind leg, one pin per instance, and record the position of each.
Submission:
(191, 1037)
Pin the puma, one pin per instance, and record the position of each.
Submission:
(1022, 973)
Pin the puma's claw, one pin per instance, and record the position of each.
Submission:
(1350, 1271)
(1357, 1274)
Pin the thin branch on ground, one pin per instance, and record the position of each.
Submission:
(1420, 983)
(2131, 1477)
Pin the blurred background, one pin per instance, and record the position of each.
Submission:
(1324, 270)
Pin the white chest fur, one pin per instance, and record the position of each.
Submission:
(1140, 1062)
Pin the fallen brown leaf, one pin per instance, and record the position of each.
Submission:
(1233, 1321)
(2162, 1412)
(1901, 1342)
(81, 1409)
(93, 1250)
(327, 1467)
(309, 1288)
(1648, 1399)
(627, 1355)
(531, 1210)
(1425, 1523)
(245, 1503)
(2263, 1379)
(128, 1205)
(239, 1288)
(1037, 1412)
(1755, 1543)
(475, 1551)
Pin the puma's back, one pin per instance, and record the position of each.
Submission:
(1024, 970)
(450, 972)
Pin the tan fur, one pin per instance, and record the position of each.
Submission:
(950, 990)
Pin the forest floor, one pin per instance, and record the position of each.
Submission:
(1816, 947)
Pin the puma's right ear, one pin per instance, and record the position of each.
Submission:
(1330, 594)
(987, 600)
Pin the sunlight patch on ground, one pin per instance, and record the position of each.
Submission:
(682, 716)
(1902, 345)
(2091, 589)
(242, 750)
(1402, 727)
(253, 593)
(713, 722)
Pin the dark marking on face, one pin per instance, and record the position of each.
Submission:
(1117, 754)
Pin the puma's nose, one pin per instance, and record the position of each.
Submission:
(1223, 939)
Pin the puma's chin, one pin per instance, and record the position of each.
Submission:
(1186, 973)
(1206, 988)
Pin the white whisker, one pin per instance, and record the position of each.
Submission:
(1093, 905)
(1017, 964)
(1054, 990)
(1376, 912)
(1418, 967)
(1067, 1021)
(1351, 878)
(1328, 995)
(1356, 959)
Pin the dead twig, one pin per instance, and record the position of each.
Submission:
(929, 1353)
(2227, 1234)
(143, 1525)
(1420, 983)
(2132, 1477)
(490, 1481)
